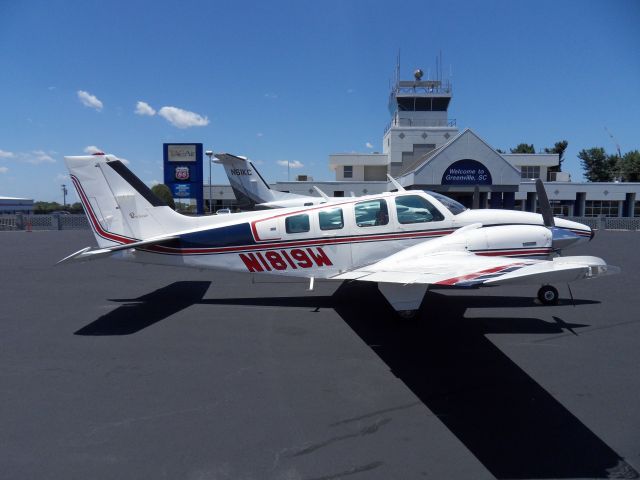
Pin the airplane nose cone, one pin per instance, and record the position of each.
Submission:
(563, 238)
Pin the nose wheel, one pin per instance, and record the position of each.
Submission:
(548, 295)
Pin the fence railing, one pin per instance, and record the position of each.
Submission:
(609, 223)
(43, 222)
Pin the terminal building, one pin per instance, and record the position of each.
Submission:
(424, 149)
(13, 205)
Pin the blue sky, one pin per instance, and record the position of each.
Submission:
(297, 81)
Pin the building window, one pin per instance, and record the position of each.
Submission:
(529, 171)
(331, 219)
(348, 171)
(608, 208)
(415, 209)
(636, 210)
(338, 193)
(559, 208)
(372, 213)
(297, 224)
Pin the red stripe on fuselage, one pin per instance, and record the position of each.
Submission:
(93, 218)
(304, 243)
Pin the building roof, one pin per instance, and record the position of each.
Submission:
(16, 199)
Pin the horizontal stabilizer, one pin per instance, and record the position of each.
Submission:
(87, 254)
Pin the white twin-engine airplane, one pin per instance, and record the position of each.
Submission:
(405, 241)
(252, 191)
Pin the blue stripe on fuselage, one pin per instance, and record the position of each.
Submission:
(229, 236)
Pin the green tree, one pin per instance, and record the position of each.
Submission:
(597, 165)
(46, 207)
(76, 208)
(629, 166)
(164, 193)
(559, 148)
(524, 148)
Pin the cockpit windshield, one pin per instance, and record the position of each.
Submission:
(453, 206)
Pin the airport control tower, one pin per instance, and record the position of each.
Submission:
(419, 120)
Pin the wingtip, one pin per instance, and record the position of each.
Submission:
(73, 256)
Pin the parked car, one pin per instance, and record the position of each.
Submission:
(223, 211)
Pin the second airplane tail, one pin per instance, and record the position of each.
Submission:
(248, 185)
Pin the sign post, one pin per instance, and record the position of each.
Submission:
(183, 172)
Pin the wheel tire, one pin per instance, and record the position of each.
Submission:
(548, 295)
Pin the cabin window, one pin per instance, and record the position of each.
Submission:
(371, 213)
(331, 219)
(415, 209)
(297, 224)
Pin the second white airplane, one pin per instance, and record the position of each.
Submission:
(253, 192)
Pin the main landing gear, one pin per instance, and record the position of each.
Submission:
(548, 295)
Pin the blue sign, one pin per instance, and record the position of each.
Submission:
(467, 172)
(181, 190)
(183, 171)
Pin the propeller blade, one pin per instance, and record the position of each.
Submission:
(545, 206)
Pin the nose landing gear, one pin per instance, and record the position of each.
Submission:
(548, 295)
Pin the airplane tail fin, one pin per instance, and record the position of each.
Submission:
(120, 208)
(248, 185)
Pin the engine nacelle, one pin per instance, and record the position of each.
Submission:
(509, 240)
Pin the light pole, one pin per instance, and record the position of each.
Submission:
(209, 153)
(64, 196)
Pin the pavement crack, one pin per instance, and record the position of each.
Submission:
(367, 430)
(375, 414)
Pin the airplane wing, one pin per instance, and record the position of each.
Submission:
(466, 269)
(88, 254)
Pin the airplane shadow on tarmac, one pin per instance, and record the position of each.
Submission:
(513, 426)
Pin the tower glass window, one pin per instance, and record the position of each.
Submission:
(348, 171)
(529, 171)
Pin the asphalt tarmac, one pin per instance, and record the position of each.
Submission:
(110, 370)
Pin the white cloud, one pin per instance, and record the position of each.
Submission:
(61, 178)
(369, 145)
(271, 96)
(153, 183)
(294, 164)
(144, 109)
(91, 149)
(182, 118)
(259, 134)
(37, 157)
(4, 169)
(89, 100)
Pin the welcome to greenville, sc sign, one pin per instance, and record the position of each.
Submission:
(466, 172)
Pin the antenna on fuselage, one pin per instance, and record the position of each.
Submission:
(322, 194)
(396, 184)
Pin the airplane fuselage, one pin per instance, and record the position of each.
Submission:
(331, 238)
